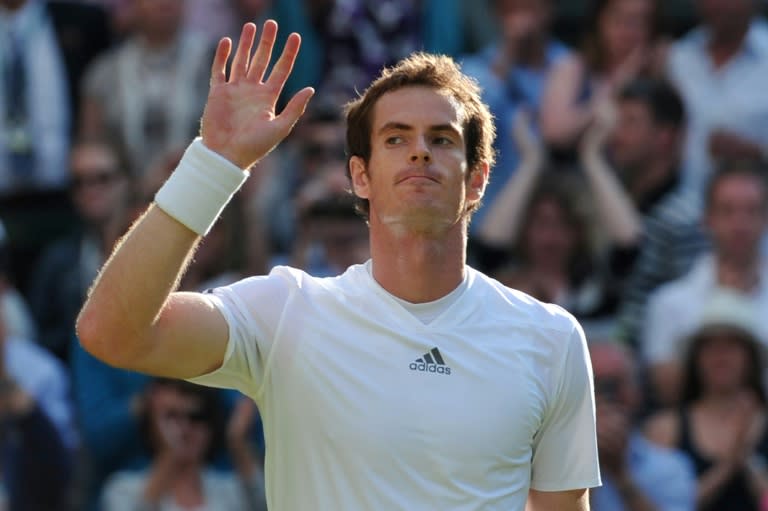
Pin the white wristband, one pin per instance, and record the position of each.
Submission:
(200, 187)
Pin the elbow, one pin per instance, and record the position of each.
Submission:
(99, 339)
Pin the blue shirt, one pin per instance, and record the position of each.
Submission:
(731, 97)
(665, 476)
(523, 87)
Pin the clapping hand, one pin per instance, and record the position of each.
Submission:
(240, 122)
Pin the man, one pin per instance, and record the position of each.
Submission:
(358, 377)
(644, 148)
(719, 69)
(736, 215)
(637, 475)
(511, 73)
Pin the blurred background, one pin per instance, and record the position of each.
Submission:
(630, 188)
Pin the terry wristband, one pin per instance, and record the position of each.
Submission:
(200, 188)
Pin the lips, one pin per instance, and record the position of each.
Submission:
(412, 175)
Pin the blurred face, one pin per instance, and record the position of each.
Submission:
(98, 186)
(736, 217)
(523, 19)
(613, 376)
(625, 26)
(417, 179)
(726, 15)
(722, 362)
(159, 16)
(550, 238)
(179, 425)
(633, 141)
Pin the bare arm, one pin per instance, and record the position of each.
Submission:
(571, 500)
(132, 317)
(501, 225)
(615, 208)
(563, 118)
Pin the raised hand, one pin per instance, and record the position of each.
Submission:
(240, 122)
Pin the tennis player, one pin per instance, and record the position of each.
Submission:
(409, 382)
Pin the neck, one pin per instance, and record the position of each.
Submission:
(647, 179)
(738, 273)
(416, 267)
(158, 39)
(726, 43)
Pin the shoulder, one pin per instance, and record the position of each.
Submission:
(516, 306)
(663, 429)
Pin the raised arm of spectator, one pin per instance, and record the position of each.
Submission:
(501, 225)
(132, 317)
(563, 116)
(614, 205)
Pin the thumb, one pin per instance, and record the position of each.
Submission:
(295, 108)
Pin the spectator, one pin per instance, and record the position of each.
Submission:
(183, 425)
(37, 430)
(511, 73)
(148, 94)
(537, 239)
(99, 191)
(622, 42)
(721, 422)
(720, 68)
(736, 215)
(637, 475)
(34, 100)
(658, 239)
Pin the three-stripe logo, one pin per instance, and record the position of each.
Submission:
(431, 362)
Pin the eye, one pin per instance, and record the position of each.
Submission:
(441, 140)
(394, 140)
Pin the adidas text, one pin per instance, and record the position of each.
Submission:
(430, 368)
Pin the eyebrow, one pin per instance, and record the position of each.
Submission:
(407, 127)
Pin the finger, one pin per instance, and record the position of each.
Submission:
(243, 54)
(219, 66)
(295, 108)
(263, 53)
(284, 64)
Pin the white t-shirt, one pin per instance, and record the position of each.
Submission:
(367, 407)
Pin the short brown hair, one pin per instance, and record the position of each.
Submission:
(422, 69)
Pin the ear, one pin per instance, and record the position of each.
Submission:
(478, 179)
(359, 173)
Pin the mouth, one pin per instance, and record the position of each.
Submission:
(417, 178)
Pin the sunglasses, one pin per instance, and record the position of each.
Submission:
(194, 416)
(99, 178)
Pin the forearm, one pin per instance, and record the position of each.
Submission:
(133, 286)
(501, 225)
(621, 219)
(633, 498)
(712, 481)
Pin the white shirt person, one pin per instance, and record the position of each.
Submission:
(348, 423)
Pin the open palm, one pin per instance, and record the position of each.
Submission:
(240, 121)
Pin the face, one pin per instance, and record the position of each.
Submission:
(160, 16)
(722, 362)
(633, 141)
(725, 14)
(417, 178)
(97, 183)
(549, 237)
(523, 19)
(736, 217)
(179, 424)
(625, 25)
(613, 376)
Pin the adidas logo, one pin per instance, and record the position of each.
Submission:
(431, 362)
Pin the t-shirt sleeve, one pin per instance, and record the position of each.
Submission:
(565, 447)
(253, 309)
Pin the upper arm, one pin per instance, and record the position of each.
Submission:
(189, 338)
(569, 500)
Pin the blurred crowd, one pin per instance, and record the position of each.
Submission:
(631, 188)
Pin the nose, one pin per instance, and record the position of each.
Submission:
(420, 151)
